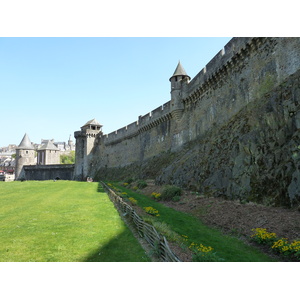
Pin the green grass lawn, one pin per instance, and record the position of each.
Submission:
(62, 221)
(230, 248)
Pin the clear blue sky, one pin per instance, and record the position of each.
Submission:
(49, 87)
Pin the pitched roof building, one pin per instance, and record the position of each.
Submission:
(48, 154)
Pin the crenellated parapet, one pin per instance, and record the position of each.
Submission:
(83, 134)
(232, 130)
(144, 123)
(155, 122)
(231, 59)
(244, 70)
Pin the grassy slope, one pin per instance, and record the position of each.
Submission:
(62, 221)
(229, 248)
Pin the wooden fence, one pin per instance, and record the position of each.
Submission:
(157, 241)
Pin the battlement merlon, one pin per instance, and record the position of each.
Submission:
(182, 87)
(234, 52)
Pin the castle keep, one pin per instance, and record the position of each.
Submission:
(231, 131)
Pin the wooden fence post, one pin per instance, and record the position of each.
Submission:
(157, 241)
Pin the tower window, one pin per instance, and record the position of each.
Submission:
(26, 152)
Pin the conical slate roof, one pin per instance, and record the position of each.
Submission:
(48, 146)
(92, 122)
(25, 143)
(179, 71)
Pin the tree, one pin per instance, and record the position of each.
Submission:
(68, 158)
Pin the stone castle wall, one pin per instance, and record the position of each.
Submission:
(47, 172)
(238, 76)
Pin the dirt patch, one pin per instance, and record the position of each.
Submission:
(235, 218)
(231, 217)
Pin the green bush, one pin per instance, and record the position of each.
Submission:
(176, 198)
(171, 193)
(141, 184)
(129, 180)
(68, 158)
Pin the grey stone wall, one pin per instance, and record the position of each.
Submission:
(47, 172)
(230, 88)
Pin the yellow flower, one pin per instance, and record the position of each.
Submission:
(152, 211)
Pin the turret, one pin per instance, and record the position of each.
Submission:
(178, 80)
(85, 139)
(70, 143)
(25, 155)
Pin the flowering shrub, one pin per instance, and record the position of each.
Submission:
(124, 193)
(125, 184)
(262, 236)
(200, 248)
(279, 245)
(156, 195)
(202, 253)
(282, 246)
(132, 200)
(295, 247)
(135, 188)
(151, 211)
(185, 237)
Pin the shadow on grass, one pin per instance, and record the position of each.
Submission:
(122, 248)
(100, 188)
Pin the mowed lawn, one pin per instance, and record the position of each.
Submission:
(62, 221)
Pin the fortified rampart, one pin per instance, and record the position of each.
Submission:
(48, 172)
(234, 83)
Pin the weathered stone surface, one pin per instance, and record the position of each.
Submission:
(48, 172)
(238, 135)
(255, 156)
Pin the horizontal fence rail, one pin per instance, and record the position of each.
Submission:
(157, 241)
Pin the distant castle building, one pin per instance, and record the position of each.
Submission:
(25, 155)
(7, 161)
(47, 153)
(63, 146)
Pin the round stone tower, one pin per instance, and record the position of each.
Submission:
(178, 80)
(84, 144)
(25, 155)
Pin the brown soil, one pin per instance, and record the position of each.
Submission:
(232, 217)
(236, 218)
